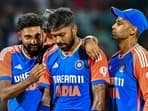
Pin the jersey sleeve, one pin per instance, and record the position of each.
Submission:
(5, 64)
(46, 79)
(141, 73)
(99, 70)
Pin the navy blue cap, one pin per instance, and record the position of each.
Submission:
(134, 16)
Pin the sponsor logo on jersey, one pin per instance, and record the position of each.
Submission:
(20, 77)
(72, 84)
(75, 79)
(117, 81)
(55, 65)
(103, 70)
(18, 67)
(23, 76)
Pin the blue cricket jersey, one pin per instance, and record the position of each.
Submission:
(129, 80)
(15, 67)
(72, 76)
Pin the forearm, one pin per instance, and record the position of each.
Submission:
(46, 99)
(13, 90)
(3, 105)
(98, 97)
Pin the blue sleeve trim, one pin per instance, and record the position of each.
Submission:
(98, 82)
(44, 108)
(44, 85)
(5, 78)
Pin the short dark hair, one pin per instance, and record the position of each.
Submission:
(61, 17)
(29, 20)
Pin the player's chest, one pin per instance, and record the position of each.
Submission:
(21, 69)
(68, 65)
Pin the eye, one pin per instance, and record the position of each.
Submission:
(27, 37)
(62, 34)
(119, 23)
(38, 35)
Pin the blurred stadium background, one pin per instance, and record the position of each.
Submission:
(92, 16)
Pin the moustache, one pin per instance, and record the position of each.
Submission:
(61, 44)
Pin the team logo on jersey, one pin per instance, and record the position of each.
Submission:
(79, 64)
(122, 68)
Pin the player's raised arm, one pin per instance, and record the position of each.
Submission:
(91, 46)
(99, 79)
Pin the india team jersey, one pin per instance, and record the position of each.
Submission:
(129, 80)
(72, 76)
(15, 67)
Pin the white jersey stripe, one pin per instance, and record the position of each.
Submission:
(141, 59)
(141, 56)
(144, 55)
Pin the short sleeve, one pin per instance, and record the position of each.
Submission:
(99, 70)
(141, 72)
(5, 64)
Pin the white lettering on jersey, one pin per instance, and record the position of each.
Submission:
(117, 81)
(21, 77)
(68, 79)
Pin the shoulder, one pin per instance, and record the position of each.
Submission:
(140, 55)
(49, 52)
(10, 50)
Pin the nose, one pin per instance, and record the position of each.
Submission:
(34, 41)
(113, 26)
(58, 39)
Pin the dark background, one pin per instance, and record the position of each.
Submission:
(92, 16)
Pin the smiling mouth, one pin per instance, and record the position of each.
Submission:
(34, 47)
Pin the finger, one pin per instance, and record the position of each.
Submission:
(37, 69)
(97, 53)
(91, 54)
(40, 69)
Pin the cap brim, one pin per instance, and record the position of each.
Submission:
(117, 12)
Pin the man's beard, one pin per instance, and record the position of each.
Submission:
(29, 50)
(65, 46)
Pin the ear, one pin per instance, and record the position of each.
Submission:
(19, 35)
(74, 29)
(133, 30)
